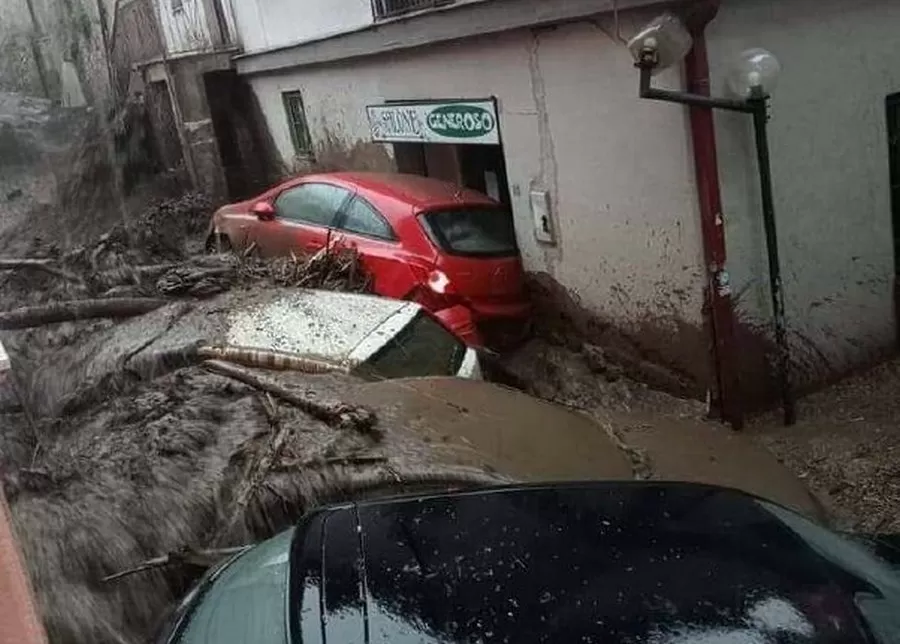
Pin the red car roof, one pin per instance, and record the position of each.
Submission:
(420, 192)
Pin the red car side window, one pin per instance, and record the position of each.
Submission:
(312, 203)
(362, 218)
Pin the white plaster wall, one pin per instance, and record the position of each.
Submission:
(830, 165)
(187, 30)
(618, 168)
(266, 24)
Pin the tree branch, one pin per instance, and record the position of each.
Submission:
(45, 265)
(335, 414)
(32, 316)
(188, 556)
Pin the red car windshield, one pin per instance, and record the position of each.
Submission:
(472, 231)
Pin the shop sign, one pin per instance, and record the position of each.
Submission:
(435, 122)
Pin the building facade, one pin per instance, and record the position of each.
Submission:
(177, 56)
(537, 103)
(834, 153)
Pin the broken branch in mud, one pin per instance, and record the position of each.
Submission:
(332, 461)
(259, 467)
(267, 359)
(32, 316)
(45, 265)
(134, 274)
(12, 264)
(188, 556)
(337, 414)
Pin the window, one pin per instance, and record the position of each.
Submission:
(422, 348)
(299, 128)
(364, 219)
(486, 232)
(314, 203)
(177, 6)
(391, 8)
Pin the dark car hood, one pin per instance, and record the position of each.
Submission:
(655, 563)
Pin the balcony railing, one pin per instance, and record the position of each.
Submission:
(391, 8)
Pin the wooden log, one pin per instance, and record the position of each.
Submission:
(56, 312)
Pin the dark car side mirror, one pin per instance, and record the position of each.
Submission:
(264, 211)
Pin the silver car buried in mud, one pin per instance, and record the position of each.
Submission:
(371, 337)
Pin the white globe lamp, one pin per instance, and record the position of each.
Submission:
(754, 74)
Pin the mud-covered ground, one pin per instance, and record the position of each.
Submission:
(846, 446)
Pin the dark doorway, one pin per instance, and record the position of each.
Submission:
(410, 158)
(893, 128)
(242, 148)
(484, 169)
(480, 167)
(162, 120)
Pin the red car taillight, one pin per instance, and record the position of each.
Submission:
(439, 283)
(437, 293)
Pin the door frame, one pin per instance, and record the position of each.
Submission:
(892, 115)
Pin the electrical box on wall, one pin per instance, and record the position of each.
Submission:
(543, 217)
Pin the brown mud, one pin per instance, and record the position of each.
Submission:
(648, 353)
(157, 469)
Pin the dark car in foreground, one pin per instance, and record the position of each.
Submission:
(632, 562)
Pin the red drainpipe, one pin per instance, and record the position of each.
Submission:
(718, 291)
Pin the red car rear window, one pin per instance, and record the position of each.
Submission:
(476, 232)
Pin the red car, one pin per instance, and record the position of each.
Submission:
(449, 248)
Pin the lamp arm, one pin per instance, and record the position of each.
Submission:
(647, 65)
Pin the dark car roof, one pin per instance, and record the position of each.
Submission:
(420, 192)
(603, 562)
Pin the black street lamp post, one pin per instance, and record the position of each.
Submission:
(757, 105)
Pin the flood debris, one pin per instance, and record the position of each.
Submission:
(192, 460)
(124, 262)
(579, 375)
(142, 477)
(202, 559)
(846, 447)
(32, 316)
(339, 415)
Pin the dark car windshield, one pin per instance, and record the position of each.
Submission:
(422, 348)
(635, 564)
(476, 232)
(616, 562)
